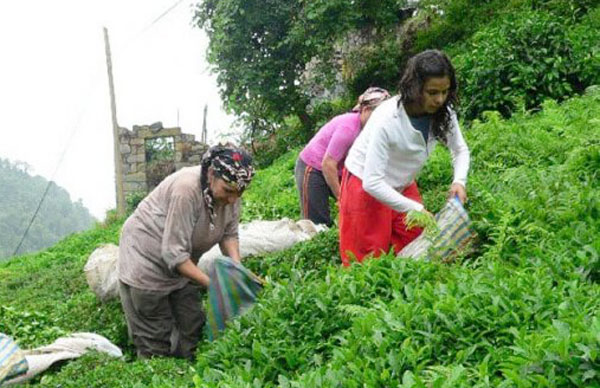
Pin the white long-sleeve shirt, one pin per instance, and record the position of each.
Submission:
(389, 153)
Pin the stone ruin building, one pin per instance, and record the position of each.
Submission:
(150, 152)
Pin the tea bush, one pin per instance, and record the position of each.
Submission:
(272, 194)
(522, 310)
(453, 21)
(457, 21)
(525, 58)
(45, 295)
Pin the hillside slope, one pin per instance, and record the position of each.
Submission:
(522, 310)
(20, 194)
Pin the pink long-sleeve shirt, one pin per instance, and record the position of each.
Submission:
(334, 139)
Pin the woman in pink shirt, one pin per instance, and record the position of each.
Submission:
(319, 165)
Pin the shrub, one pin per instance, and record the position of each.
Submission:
(377, 64)
(272, 194)
(455, 20)
(134, 199)
(518, 62)
(584, 39)
(569, 10)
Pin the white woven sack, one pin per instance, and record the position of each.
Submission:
(101, 272)
(64, 348)
(258, 237)
(455, 234)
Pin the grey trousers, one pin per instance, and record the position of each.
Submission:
(314, 193)
(163, 323)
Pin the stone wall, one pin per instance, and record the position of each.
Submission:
(187, 152)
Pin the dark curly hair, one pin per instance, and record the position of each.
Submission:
(427, 64)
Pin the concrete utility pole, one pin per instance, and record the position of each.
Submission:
(204, 129)
(117, 150)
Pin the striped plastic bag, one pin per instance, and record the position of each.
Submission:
(232, 290)
(12, 359)
(454, 235)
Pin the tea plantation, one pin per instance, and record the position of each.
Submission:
(521, 310)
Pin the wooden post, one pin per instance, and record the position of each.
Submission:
(117, 150)
(204, 129)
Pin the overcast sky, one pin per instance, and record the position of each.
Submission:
(54, 89)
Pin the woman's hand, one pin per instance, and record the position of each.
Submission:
(191, 271)
(459, 191)
(231, 247)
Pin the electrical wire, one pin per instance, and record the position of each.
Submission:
(162, 15)
(60, 160)
(73, 132)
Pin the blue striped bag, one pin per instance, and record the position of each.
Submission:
(232, 290)
(12, 360)
(454, 235)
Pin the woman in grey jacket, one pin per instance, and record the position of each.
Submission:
(161, 242)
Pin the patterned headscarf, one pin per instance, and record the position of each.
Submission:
(230, 163)
(372, 97)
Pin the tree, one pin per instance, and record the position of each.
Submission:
(260, 49)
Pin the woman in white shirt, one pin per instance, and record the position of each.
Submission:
(378, 184)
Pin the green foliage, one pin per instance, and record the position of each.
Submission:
(160, 161)
(375, 65)
(454, 20)
(550, 191)
(272, 194)
(291, 134)
(423, 220)
(571, 10)
(260, 56)
(584, 38)
(522, 311)
(510, 55)
(134, 199)
(97, 370)
(459, 328)
(267, 148)
(44, 295)
(27, 326)
(522, 59)
(159, 149)
(20, 194)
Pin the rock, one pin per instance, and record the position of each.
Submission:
(157, 126)
(124, 148)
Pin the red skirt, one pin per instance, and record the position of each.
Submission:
(367, 226)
